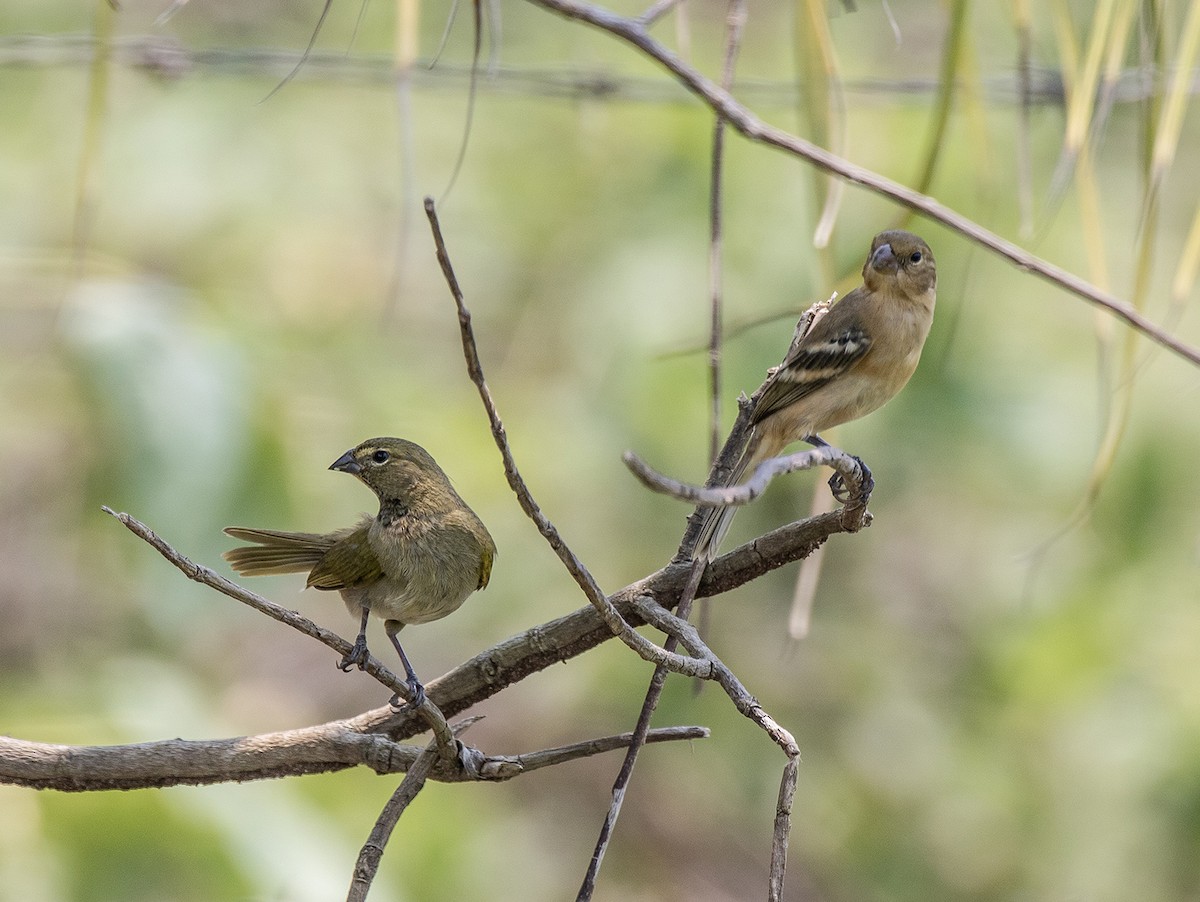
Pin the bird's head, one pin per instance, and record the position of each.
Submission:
(396, 470)
(904, 257)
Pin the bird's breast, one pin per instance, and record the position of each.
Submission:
(428, 571)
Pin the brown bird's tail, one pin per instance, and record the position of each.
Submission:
(276, 552)
(718, 519)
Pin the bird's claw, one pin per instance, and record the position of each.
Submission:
(356, 657)
(416, 693)
(842, 493)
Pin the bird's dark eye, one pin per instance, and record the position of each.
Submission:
(914, 257)
(381, 457)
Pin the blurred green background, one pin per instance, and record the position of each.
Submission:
(206, 298)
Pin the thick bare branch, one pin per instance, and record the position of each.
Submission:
(372, 738)
(328, 747)
(562, 639)
(173, 762)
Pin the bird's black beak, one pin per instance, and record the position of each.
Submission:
(347, 464)
(883, 260)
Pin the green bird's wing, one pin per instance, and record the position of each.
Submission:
(485, 568)
(349, 562)
(275, 551)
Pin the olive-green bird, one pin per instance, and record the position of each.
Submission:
(417, 560)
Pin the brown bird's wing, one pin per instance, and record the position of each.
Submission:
(275, 551)
(349, 562)
(836, 343)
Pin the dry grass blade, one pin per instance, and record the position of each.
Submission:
(824, 107)
(948, 79)
(95, 119)
(472, 94)
(1024, 29)
(1114, 61)
(756, 130)
(1166, 141)
(1081, 103)
(1069, 64)
(312, 41)
(1189, 264)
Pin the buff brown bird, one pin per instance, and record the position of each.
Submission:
(852, 362)
(415, 561)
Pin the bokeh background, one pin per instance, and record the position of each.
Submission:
(206, 297)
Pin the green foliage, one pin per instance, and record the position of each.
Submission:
(984, 713)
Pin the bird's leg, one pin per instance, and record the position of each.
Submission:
(415, 690)
(837, 485)
(357, 656)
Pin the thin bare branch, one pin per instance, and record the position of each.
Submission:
(583, 578)
(752, 488)
(755, 129)
(639, 737)
(312, 40)
(507, 767)
(783, 829)
(735, 22)
(371, 853)
(742, 700)
(656, 11)
(472, 94)
(201, 574)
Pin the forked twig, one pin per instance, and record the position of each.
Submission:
(427, 762)
(745, 703)
(847, 466)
